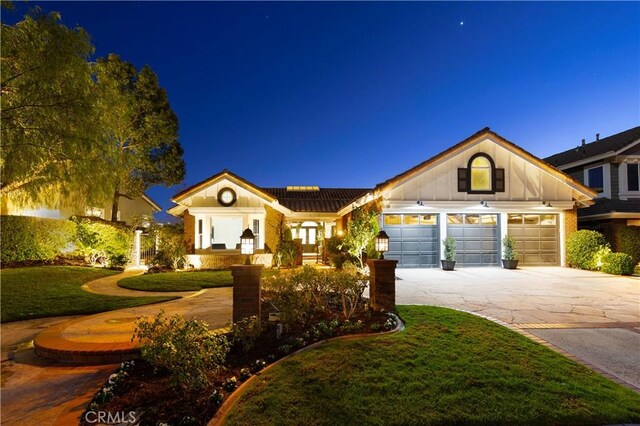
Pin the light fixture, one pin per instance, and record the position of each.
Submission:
(547, 204)
(382, 243)
(340, 233)
(484, 204)
(420, 203)
(247, 242)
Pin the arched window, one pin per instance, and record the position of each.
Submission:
(481, 173)
(481, 176)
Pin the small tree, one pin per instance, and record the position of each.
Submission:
(361, 230)
(171, 250)
(509, 248)
(449, 249)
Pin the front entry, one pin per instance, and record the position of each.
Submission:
(477, 238)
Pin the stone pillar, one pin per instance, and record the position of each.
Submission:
(137, 247)
(246, 291)
(382, 284)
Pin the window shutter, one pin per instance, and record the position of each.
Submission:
(499, 180)
(463, 181)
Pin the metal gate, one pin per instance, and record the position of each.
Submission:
(536, 238)
(477, 238)
(413, 239)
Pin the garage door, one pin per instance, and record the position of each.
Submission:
(536, 238)
(476, 238)
(413, 239)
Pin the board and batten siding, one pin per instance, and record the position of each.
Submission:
(524, 180)
(208, 197)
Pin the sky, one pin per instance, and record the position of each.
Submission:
(351, 94)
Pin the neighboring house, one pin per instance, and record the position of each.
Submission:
(129, 210)
(476, 191)
(610, 166)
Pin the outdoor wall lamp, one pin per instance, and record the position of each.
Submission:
(547, 203)
(382, 243)
(247, 242)
(484, 204)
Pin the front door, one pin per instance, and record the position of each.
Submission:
(308, 235)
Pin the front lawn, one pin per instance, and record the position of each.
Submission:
(446, 367)
(49, 291)
(182, 281)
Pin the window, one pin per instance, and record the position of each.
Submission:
(595, 178)
(410, 219)
(481, 176)
(256, 232)
(392, 219)
(200, 221)
(633, 177)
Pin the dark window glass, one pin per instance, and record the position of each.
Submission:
(596, 178)
(633, 183)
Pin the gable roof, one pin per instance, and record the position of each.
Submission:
(185, 193)
(326, 200)
(575, 184)
(152, 203)
(611, 144)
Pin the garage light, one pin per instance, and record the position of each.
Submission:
(484, 204)
(382, 243)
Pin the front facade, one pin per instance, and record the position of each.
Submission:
(611, 167)
(478, 191)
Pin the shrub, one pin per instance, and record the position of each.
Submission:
(361, 230)
(627, 240)
(287, 297)
(349, 284)
(171, 250)
(449, 249)
(585, 249)
(186, 349)
(27, 238)
(99, 240)
(245, 332)
(509, 248)
(618, 264)
(287, 251)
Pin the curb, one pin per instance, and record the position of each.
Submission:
(228, 404)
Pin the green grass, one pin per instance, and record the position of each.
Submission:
(182, 281)
(49, 291)
(446, 367)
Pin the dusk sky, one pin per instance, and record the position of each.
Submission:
(350, 94)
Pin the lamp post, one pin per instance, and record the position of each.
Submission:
(382, 243)
(247, 242)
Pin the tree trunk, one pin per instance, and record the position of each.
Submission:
(114, 206)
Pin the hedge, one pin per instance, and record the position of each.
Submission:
(627, 240)
(618, 264)
(27, 238)
(584, 247)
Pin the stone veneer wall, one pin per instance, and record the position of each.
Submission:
(273, 228)
(189, 231)
(224, 261)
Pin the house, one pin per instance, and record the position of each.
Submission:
(477, 191)
(129, 210)
(611, 167)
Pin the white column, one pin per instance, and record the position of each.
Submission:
(562, 234)
(136, 248)
(442, 223)
(504, 230)
(206, 232)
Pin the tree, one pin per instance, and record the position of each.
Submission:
(361, 230)
(138, 128)
(49, 147)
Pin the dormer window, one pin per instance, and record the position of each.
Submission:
(481, 176)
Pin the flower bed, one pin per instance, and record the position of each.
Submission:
(186, 371)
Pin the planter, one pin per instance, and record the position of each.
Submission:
(510, 264)
(448, 265)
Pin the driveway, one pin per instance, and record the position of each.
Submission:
(594, 316)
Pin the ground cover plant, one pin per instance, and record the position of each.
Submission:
(47, 291)
(446, 367)
(182, 281)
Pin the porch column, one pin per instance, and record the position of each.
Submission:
(136, 247)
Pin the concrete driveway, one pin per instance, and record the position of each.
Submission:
(594, 316)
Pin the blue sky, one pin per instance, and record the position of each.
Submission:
(350, 94)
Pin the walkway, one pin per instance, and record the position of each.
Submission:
(39, 391)
(593, 316)
(109, 286)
